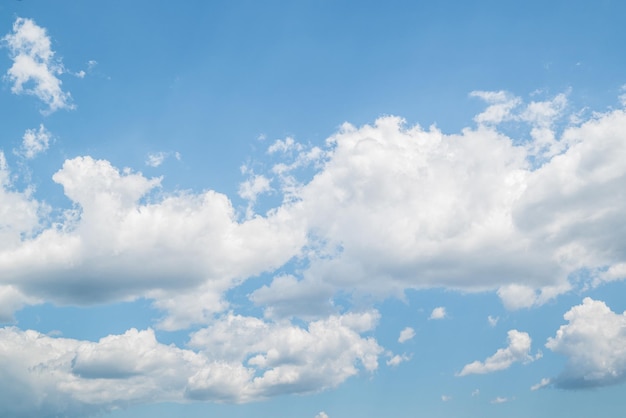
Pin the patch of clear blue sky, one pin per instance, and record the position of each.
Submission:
(207, 78)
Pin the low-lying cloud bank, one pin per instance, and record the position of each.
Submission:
(236, 359)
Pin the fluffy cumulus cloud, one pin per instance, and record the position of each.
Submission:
(119, 244)
(382, 208)
(390, 207)
(45, 376)
(594, 342)
(438, 313)
(396, 206)
(518, 351)
(35, 69)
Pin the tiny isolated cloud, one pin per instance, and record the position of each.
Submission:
(157, 158)
(446, 398)
(35, 141)
(518, 351)
(545, 382)
(322, 415)
(492, 320)
(406, 334)
(438, 313)
(594, 342)
(35, 68)
(501, 399)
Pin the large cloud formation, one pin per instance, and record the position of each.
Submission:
(397, 207)
(389, 207)
(237, 359)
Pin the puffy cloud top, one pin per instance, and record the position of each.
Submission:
(594, 341)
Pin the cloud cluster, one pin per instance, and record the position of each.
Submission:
(35, 69)
(397, 207)
(389, 208)
(518, 351)
(594, 342)
(45, 376)
(186, 249)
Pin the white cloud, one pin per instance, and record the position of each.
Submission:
(475, 392)
(389, 207)
(20, 214)
(12, 300)
(438, 313)
(35, 70)
(542, 384)
(501, 106)
(156, 159)
(396, 360)
(446, 398)
(518, 350)
(516, 296)
(594, 342)
(501, 399)
(406, 334)
(290, 359)
(44, 376)
(253, 187)
(35, 141)
(67, 377)
(322, 415)
(459, 211)
(287, 297)
(181, 248)
(289, 144)
(414, 208)
(493, 321)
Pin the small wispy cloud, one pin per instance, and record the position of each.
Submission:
(396, 360)
(35, 141)
(157, 158)
(518, 350)
(35, 69)
(544, 382)
(501, 399)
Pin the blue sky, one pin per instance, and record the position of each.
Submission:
(315, 209)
